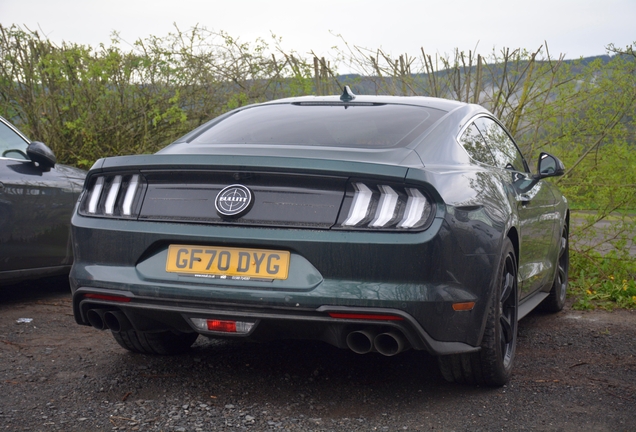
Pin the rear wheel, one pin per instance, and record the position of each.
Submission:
(492, 365)
(555, 301)
(164, 343)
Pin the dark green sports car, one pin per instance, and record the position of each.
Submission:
(373, 223)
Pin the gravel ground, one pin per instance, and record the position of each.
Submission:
(575, 371)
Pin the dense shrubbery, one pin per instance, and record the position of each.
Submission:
(86, 104)
(89, 103)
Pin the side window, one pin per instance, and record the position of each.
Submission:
(11, 144)
(504, 150)
(476, 146)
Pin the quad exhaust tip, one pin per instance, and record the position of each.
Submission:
(390, 343)
(116, 321)
(103, 319)
(360, 341)
(95, 318)
(365, 341)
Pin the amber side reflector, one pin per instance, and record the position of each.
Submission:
(108, 297)
(365, 316)
(463, 306)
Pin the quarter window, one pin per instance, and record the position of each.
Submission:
(476, 146)
(503, 149)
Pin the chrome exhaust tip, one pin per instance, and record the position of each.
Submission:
(390, 343)
(95, 318)
(116, 321)
(360, 341)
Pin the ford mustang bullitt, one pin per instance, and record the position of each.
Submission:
(373, 223)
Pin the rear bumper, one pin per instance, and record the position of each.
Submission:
(269, 323)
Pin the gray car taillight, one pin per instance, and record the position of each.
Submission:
(112, 196)
(387, 207)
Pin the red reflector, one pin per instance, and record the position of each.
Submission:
(222, 326)
(108, 297)
(365, 316)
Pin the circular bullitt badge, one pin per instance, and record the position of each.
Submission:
(233, 201)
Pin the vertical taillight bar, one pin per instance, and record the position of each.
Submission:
(130, 195)
(109, 207)
(360, 206)
(386, 207)
(95, 195)
(415, 209)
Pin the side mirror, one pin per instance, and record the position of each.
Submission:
(549, 166)
(41, 154)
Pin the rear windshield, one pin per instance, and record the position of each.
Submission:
(351, 125)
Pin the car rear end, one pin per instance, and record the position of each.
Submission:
(311, 259)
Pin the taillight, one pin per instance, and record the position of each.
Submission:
(385, 206)
(112, 196)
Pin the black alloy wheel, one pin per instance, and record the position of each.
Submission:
(508, 311)
(556, 299)
(492, 365)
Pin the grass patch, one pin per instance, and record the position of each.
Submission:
(603, 281)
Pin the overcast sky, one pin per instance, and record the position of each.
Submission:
(573, 27)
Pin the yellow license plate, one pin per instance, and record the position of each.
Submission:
(224, 261)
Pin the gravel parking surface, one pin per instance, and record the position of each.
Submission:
(575, 371)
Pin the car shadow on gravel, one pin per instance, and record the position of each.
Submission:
(34, 289)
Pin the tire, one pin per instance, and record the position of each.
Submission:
(492, 365)
(163, 343)
(555, 301)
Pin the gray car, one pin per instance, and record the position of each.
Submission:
(37, 197)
